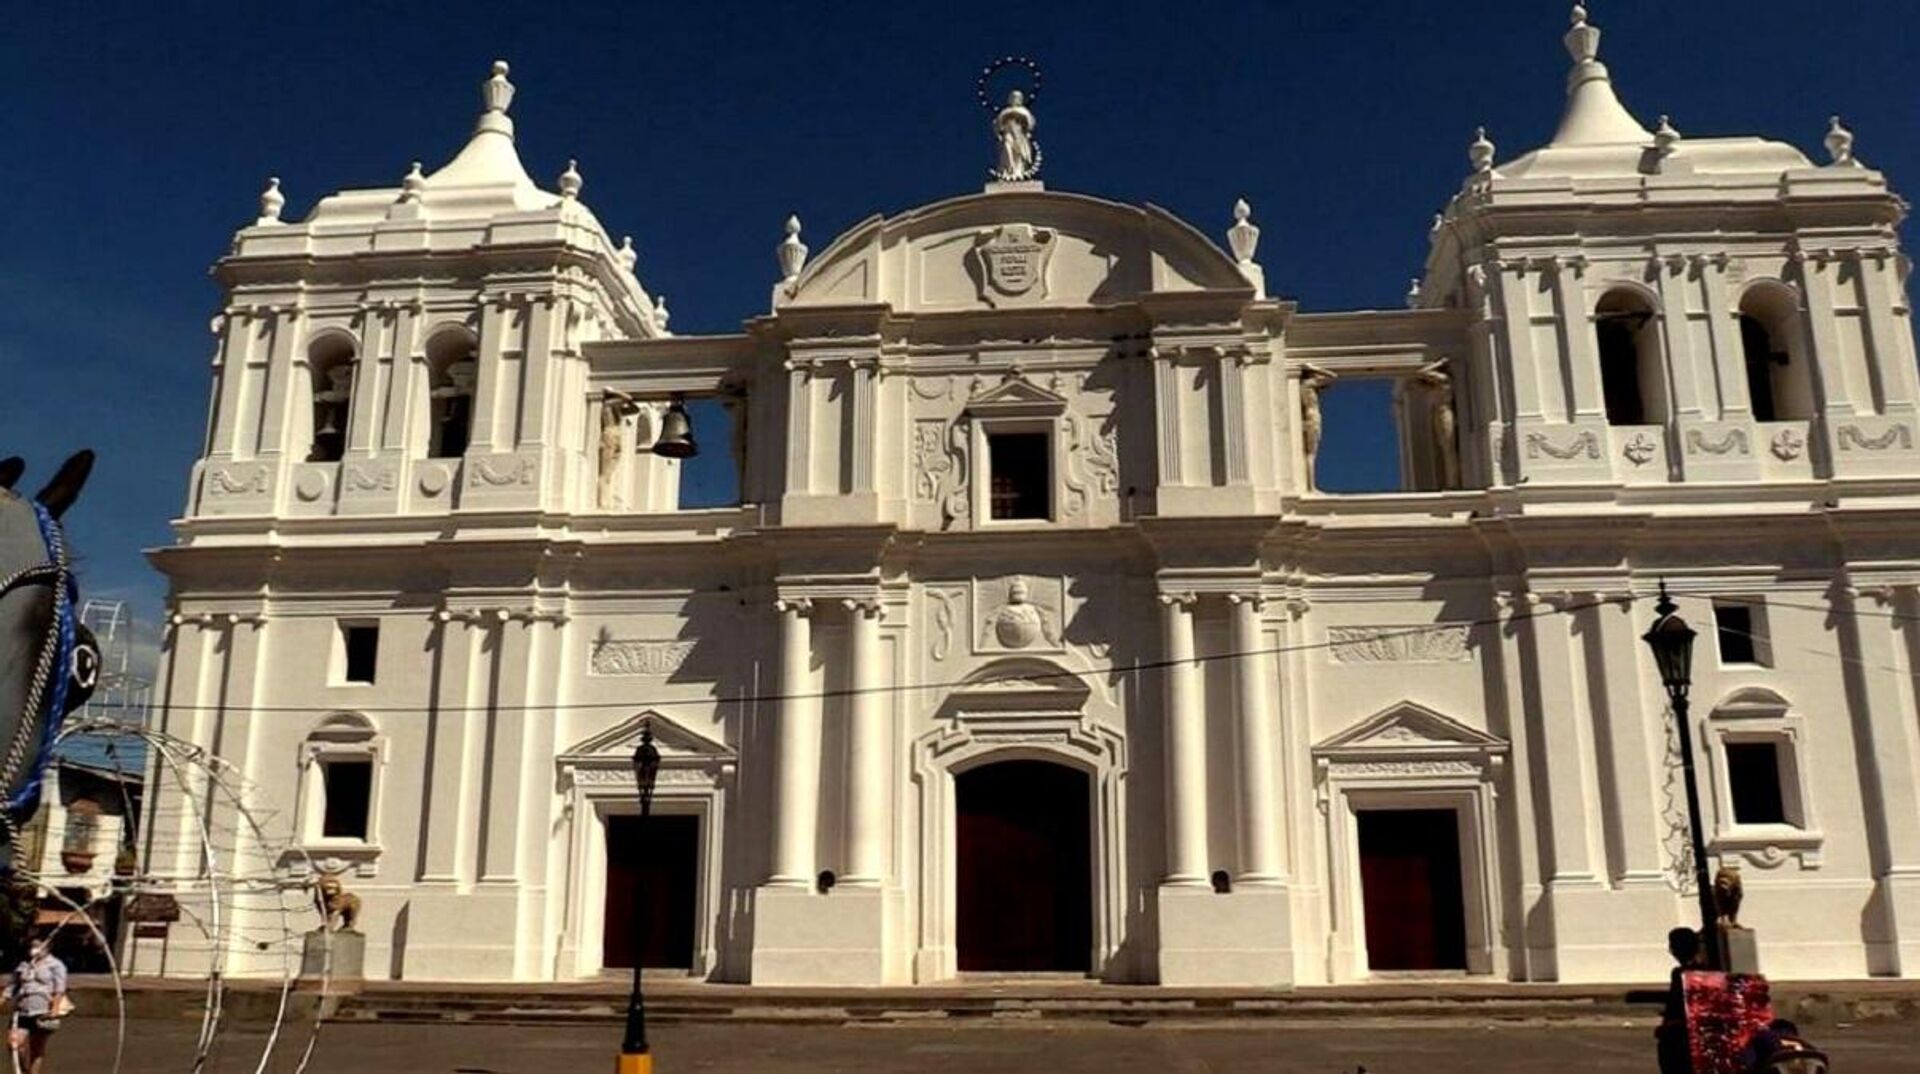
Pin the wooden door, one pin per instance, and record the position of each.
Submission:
(1024, 868)
(1415, 908)
(660, 867)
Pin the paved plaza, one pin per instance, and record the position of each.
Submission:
(156, 1046)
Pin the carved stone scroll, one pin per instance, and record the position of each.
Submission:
(1447, 643)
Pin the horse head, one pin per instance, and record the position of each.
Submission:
(48, 661)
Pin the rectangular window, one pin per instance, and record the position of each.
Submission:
(360, 649)
(348, 787)
(1021, 481)
(1753, 777)
(1741, 629)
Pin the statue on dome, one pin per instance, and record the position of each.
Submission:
(1018, 157)
(1313, 381)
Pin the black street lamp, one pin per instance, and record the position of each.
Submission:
(635, 1058)
(1671, 640)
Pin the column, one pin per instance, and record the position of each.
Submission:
(1677, 322)
(1628, 742)
(447, 829)
(1835, 388)
(1583, 363)
(1257, 732)
(372, 373)
(1166, 402)
(279, 389)
(1186, 748)
(1233, 413)
(1556, 713)
(796, 792)
(1729, 359)
(1888, 755)
(867, 749)
(865, 374)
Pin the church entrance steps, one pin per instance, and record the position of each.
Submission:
(671, 1001)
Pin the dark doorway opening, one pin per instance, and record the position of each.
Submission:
(1025, 868)
(662, 867)
(1410, 883)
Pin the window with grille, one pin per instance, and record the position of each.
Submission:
(1020, 469)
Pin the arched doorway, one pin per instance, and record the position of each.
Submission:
(1024, 868)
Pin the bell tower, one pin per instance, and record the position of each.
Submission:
(1651, 308)
(418, 349)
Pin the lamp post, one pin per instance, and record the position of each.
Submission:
(635, 1058)
(1671, 640)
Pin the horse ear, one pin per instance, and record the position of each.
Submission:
(65, 486)
(11, 468)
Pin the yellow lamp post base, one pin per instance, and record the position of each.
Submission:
(634, 1064)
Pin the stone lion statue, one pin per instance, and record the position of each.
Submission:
(1727, 895)
(332, 901)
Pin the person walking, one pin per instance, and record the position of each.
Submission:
(38, 995)
(1674, 1050)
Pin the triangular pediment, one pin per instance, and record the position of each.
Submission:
(1410, 726)
(1017, 394)
(677, 744)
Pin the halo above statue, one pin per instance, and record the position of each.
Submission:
(992, 90)
(1016, 151)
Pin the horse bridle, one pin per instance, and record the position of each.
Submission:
(47, 693)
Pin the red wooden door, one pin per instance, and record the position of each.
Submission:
(659, 866)
(1025, 875)
(1410, 884)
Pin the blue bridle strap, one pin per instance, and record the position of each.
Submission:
(60, 676)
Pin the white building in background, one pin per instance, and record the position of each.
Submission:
(1031, 645)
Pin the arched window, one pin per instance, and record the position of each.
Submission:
(340, 783)
(1777, 380)
(1630, 374)
(451, 371)
(330, 364)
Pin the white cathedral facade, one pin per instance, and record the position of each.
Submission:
(1031, 645)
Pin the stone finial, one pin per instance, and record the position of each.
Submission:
(1413, 293)
(1840, 143)
(625, 254)
(791, 253)
(1579, 17)
(413, 184)
(570, 181)
(1665, 137)
(660, 312)
(1480, 152)
(1244, 235)
(271, 202)
(1439, 221)
(496, 92)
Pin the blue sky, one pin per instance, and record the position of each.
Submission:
(138, 138)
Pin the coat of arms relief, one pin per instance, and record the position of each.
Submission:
(1012, 262)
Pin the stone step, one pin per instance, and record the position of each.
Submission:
(679, 1002)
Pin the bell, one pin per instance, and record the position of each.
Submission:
(676, 433)
(327, 425)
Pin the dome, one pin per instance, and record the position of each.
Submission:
(1599, 137)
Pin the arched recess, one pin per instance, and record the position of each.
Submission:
(1773, 347)
(452, 370)
(1632, 372)
(325, 411)
(1020, 709)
